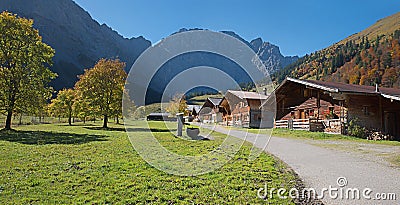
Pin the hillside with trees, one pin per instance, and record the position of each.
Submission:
(359, 59)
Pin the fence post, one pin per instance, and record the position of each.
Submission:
(290, 124)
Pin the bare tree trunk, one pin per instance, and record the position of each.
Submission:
(105, 121)
(8, 120)
(117, 120)
(69, 119)
(20, 119)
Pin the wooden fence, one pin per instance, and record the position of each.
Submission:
(331, 125)
(334, 125)
(294, 124)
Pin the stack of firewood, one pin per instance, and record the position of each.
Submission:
(374, 135)
(333, 129)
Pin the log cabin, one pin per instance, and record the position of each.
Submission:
(375, 108)
(210, 112)
(242, 108)
(309, 110)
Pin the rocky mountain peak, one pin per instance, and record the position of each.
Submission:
(79, 40)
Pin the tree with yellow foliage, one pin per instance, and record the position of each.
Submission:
(24, 66)
(103, 86)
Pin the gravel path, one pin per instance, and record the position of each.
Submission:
(320, 167)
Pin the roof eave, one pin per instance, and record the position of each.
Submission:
(313, 85)
(391, 97)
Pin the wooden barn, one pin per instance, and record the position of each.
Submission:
(242, 108)
(210, 112)
(374, 108)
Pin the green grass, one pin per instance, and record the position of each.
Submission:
(55, 163)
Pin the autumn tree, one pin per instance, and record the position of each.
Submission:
(178, 104)
(389, 78)
(102, 87)
(64, 103)
(24, 62)
(81, 107)
(53, 110)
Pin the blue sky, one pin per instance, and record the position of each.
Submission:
(297, 27)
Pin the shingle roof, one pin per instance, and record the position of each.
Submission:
(391, 93)
(248, 95)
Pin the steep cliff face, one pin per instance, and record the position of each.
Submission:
(79, 41)
(271, 55)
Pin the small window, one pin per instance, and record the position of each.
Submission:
(365, 110)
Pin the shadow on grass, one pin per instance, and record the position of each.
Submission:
(43, 138)
(112, 129)
(76, 125)
(150, 130)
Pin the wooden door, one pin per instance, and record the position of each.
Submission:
(391, 124)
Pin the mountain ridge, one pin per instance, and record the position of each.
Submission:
(383, 26)
(80, 41)
(268, 53)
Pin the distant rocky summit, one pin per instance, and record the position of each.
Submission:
(271, 55)
(268, 53)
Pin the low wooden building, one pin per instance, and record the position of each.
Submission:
(210, 112)
(242, 108)
(310, 110)
(373, 107)
(160, 117)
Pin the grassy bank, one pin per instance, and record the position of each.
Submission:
(56, 163)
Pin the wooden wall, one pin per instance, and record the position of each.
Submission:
(391, 117)
(366, 109)
(375, 112)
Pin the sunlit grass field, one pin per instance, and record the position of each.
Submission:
(80, 164)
